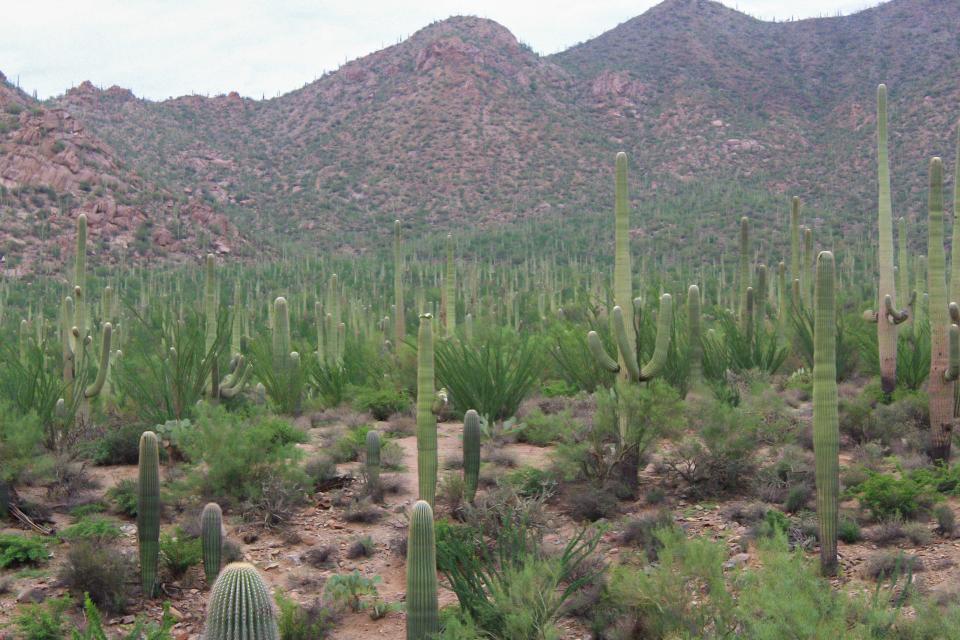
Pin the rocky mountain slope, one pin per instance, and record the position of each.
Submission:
(461, 126)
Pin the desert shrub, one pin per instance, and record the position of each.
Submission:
(89, 509)
(283, 377)
(641, 532)
(530, 481)
(118, 444)
(865, 419)
(320, 557)
(492, 376)
(575, 363)
(504, 507)
(179, 552)
(278, 499)
(886, 564)
(43, 621)
(363, 511)
(296, 622)
(792, 468)
(917, 533)
(797, 498)
(391, 455)
(17, 550)
(591, 503)
(123, 495)
(774, 523)
(20, 439)
(361, 548)
(848, 531)
(946, 519)
(100, 571)
(450, 491)
(382, 403)
(93, 528)
(886, 496)
(141, 630)
(350, 590)
(242, 454)
(542, 429)
(720, 457)
(511, 590)
(349, 446)
(774, 423)
(887, 531)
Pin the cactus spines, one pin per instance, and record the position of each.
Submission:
(400, 322)
(211, 537)
(148, 511)
(826, 430)
(240, 607)
(471, 454)
(372, 463)
(943, 367)
(886, 321)
(426, 420)
(423, 620)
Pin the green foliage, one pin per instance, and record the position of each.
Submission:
(530, 481)
(886, 496)
(848, 531)
(100, 571)
(123, 495)
(738, 350)
(179, 552)
(93, 528)
(543, 429)
(118, 444)
(574, 360)
(350, 590)
(283, 376)
(847, 351)
(20, 438)
(350, 445)
(140, 631)
(17, 550)
(296, 622)
(382, 403)
(492, 375)
(43, 621)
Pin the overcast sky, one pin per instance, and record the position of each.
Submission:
(164, 48)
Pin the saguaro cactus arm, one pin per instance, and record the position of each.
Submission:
(97, 385)
(628, 352)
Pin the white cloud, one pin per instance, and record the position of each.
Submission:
(163, 48)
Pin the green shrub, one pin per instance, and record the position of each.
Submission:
(382, 403)
(350, 590)
(542, 430)
(848, 531)
(118, 444)
(43, 621)
(348, 447)
(20, 439)
(17, 550)
(140, 631)
(84, 510)
(94, 528)
(98, 570)
(179, 552)
(124, 497)
(886, 496)
(530, 481)
(314, 622)
(946, 520)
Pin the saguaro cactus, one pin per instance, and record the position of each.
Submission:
(944, 343)
(450, 293)
(626, 315)
(148, 511)
(903, 268)
(372, 463)
(826, 429)
(400, 321)
(795, 259)
(426, 420)
(695, 348)
(423, 620)
(471, 454)
(211, 537)
(240, 606)
(887, 316)
(743, 274)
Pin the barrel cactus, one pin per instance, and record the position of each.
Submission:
(240, 607)
(148, 511)
(211, 537)
(471, 454)
(422, 610)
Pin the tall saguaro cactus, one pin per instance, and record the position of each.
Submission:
(471, 454)
(399, 319)
(826, 428)
(450, 293)
(426, 420)
(944, 343)
(743, 274)
(626, 325)
(695, 348)
(148, 511)
(795, 243)
(423, 621)
(887, 317)
(240, 606)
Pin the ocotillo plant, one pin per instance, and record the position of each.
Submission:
(471, 454)
(423, 620)
(211, 536)
(240, 606)
(944, 344)
(426, 420)
(887, 317)
(624, 313)
(826, 429)
(372, 463)
(148, 511)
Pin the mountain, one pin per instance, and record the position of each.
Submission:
(462, 127)
(52, 168)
